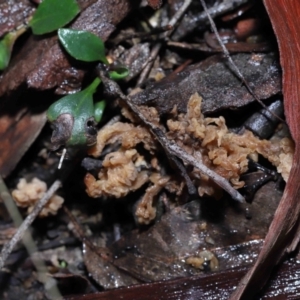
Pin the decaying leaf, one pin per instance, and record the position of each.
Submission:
(165, 250)
(196, 17)
(216, 285)
(213, 80)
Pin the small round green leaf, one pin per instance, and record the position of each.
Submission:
(80, 107)
(53, 14)
(82, 45)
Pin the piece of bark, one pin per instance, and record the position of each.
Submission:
(216, 83)
(42, 64)
(283, 235)
(14, 13)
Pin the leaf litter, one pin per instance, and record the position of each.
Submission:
(186, 240)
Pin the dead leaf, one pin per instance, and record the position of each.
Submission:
(217, 285)
(216, 83)
(161, 252)
(19, 127)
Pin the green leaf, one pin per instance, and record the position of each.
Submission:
(99, 109)
(82, 45)
(81, 107)
(5, 52)
(6, 45)
(119, 73)
(53, 14)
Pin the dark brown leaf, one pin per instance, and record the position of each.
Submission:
(284, 285)
(196, 18)
(215, 82)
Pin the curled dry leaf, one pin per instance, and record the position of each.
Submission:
(18, 130)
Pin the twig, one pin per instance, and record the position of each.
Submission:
(8, 247)
(170, 146)
(234, 67)
(178, 15)
(141, 35)
(149, 63)
(190, 186)
(231, 47)
(49, 283)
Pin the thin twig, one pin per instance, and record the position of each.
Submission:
(49, 283)
(234, 67)
(190, 186)
(170, 146)
(141, 35)
(8, 247)
(178, 15)
(149, 63)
